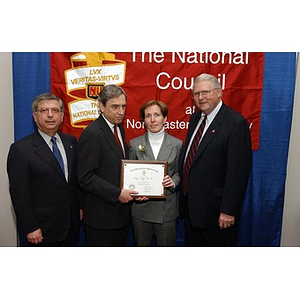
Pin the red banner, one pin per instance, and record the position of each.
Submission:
(77, 78)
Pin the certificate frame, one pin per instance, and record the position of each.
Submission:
(144, 176)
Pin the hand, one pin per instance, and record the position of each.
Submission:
(81, 214)
(226, 221)
(35, 237)
(168, 182)
(141, 198)
(126, 195)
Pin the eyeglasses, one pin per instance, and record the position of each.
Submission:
(44, 111)
(203, 93)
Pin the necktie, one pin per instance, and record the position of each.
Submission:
(57, 154)
(191, 154)
(117, 138)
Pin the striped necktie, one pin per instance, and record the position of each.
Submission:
(190, 156)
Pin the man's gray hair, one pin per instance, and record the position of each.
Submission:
(45, 96)
(110, 91)
(204, 77)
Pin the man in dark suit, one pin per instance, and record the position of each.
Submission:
(106, 205)
(45, 190)
(214, 178)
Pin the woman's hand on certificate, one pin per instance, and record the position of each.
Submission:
(168, 182)
(141, 198)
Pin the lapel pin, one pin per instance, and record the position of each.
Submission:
(213, 131)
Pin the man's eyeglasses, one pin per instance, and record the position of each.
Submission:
(44, 111)
(196, 95)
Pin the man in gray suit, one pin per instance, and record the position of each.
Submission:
(153, 217)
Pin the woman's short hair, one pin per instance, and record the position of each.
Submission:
(163, 107)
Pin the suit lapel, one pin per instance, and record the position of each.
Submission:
(165, 149)
(69, 153)
(124, 141)
(211, 131)
(192, 126)
(149, 154)
(43, 151)
(109, 136)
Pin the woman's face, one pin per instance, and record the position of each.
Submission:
(154, 118)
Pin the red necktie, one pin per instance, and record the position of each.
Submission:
(117, 138)
(191, 154)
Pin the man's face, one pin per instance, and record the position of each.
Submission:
(206, 97)
(114, 110)
(48, 117)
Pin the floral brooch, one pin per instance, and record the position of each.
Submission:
(142, 149)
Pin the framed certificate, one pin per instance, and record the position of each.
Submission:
(145, 177)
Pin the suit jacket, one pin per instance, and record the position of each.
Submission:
(41, 196)
(219, 172)
(99, 157)
(156, 210)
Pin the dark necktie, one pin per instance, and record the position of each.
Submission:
(117, 138)
(57, 154)
(191, 154)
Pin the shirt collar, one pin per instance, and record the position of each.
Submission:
(47, 138)
(212, 115)
(111, 125)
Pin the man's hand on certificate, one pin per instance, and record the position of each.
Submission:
(126, 195)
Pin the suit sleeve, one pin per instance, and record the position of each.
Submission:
(132, 153)
(175, 176)
(92, 167)
(19, 187)
(239, 158)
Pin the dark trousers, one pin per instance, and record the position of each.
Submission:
(106, 237)
(165, 233)
(210, 237)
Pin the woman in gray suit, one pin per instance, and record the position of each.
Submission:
(153, 217)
